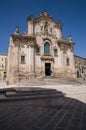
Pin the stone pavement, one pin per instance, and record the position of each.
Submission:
(66, 111)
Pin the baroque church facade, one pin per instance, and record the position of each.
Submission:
(41, 51)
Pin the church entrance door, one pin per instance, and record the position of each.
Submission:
(47, 69)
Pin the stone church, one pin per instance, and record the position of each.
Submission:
(41, 51)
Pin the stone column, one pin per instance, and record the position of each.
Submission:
(72, 64)
(62, 62)
(30, 27)
(16, 64)
(13, 63)
(59, 33)
(31, 60)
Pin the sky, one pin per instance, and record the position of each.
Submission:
(72, 14)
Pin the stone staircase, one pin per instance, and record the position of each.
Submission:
(48, 81)
(54, 81)
(31, 82)
(22, 93)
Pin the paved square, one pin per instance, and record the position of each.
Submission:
(60, 112)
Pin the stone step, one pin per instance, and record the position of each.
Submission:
(30, 83)
(29, 93)
(44, 83)
(48, 81)
(33, 89)
(26, 97)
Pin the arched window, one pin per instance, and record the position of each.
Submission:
(47, 48)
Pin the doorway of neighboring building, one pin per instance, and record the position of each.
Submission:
(47, 69)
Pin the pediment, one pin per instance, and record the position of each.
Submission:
(44, 16)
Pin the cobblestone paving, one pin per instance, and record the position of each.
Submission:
(56, 113)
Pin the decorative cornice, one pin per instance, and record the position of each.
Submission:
(28, 40)
(47, 57)
(23, 37)
(46, 38)
(63, 41)
(65, 45)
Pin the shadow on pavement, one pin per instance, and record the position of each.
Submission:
(40, 109)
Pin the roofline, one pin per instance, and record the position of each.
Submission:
(42, 14)
(80, 57)
(4, 54)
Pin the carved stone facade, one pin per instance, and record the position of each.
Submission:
(41, 51)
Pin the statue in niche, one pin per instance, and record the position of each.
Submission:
(51, 30)
(41, 28)
(46, 27)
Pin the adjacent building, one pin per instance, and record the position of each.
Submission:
(80, 66)
(40, 52)
(3, 66)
